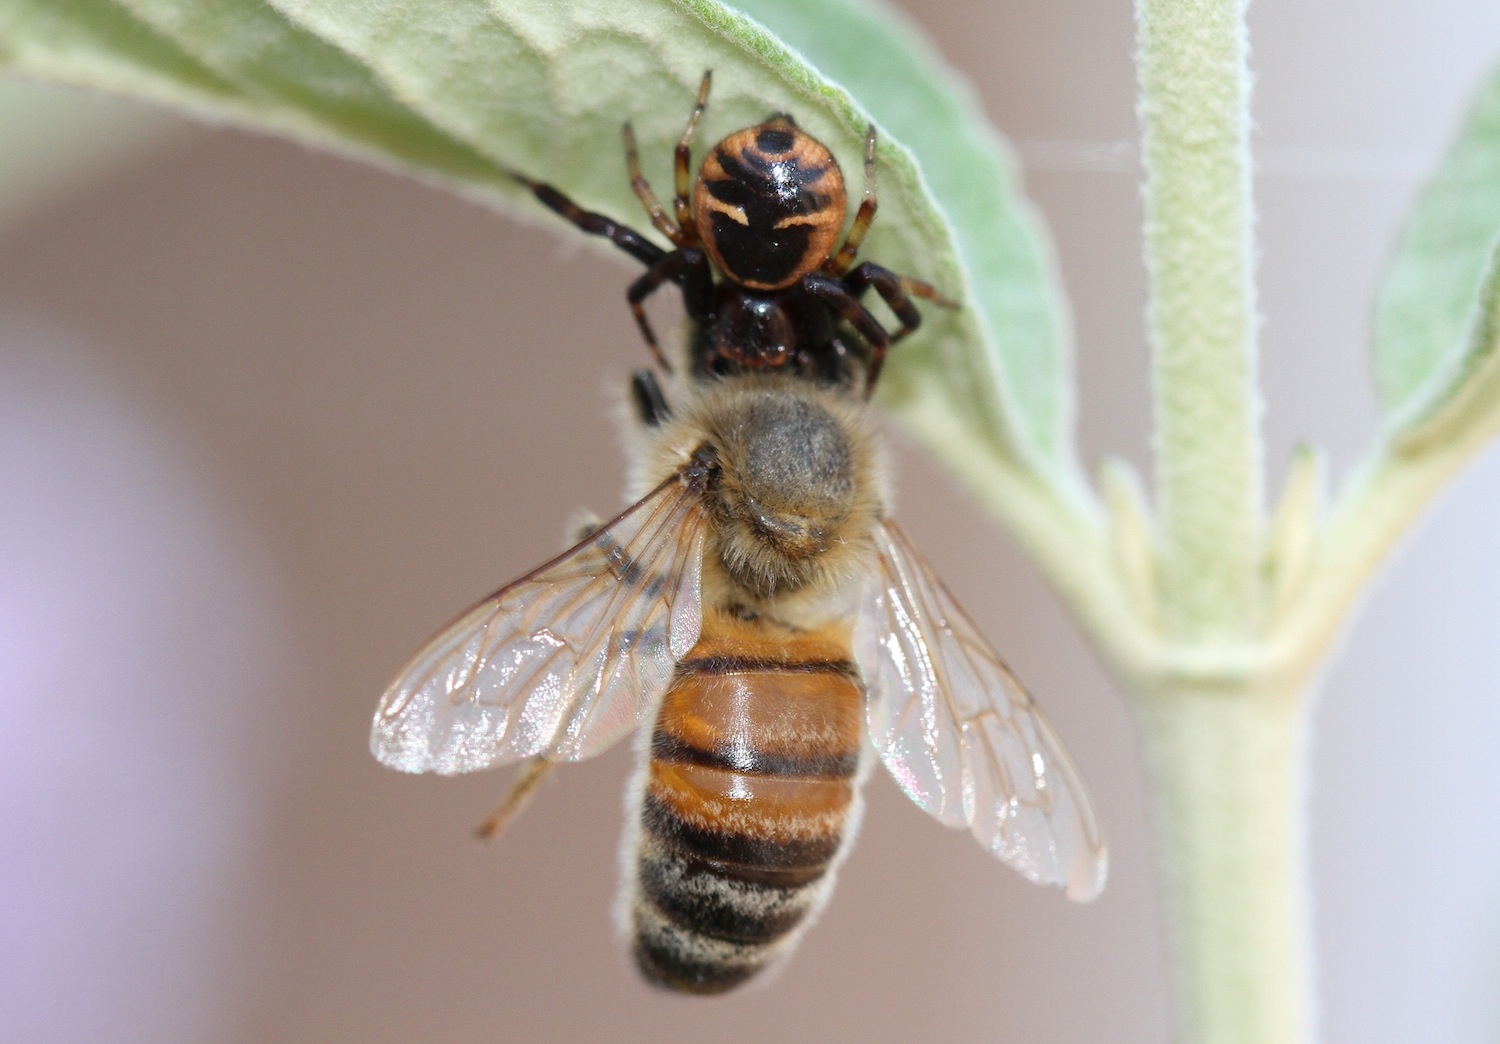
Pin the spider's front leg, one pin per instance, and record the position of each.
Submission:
(622, 236)
(689, 268)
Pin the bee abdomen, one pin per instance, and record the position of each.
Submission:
(705, 927)
(748, 795)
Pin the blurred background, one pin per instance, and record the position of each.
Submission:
(268, 417)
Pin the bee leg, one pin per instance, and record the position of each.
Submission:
(649, 400)
(622, 236)
(583, 525)
(896, 291)
(521, 792)
(689, 269)
(840, 262)
(846, 304)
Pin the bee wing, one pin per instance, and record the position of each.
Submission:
(959, 733)
(563, 662)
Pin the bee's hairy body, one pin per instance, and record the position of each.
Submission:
(746, 802)
(747, 794)
(754, 617)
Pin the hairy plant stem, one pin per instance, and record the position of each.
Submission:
(1194, 122)
(1224, 730)
(1228, 776)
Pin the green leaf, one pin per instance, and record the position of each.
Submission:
(1427, 305)
(463, 91)
(886, 62)
(1462, 399)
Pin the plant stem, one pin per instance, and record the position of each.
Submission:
(1194, 110)
(1228, 774)
(1224, 732)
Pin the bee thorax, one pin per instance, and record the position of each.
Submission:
(794, 483)
(796, 459)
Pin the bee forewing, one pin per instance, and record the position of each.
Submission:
(563, 662)
(959, 733)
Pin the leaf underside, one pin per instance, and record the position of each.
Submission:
(463, 91)
(1434, 334)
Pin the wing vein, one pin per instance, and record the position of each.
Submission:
(960, 735)
(564, 661)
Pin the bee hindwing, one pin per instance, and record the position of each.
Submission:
(563, 662)
(959, 733)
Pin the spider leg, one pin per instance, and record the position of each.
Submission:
(896, 291)
(645, 194)
(622, 236)
(682, 164)
(839, 263)
(846, 304)
(689, 268)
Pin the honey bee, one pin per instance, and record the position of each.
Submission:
(755, 606)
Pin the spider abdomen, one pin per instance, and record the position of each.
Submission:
(769, 204)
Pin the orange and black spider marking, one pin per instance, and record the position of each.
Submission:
(769, 205)
(765, 214)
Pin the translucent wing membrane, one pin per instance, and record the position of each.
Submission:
(564, 661)
(960, 734)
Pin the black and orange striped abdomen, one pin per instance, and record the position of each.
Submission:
(748, 797)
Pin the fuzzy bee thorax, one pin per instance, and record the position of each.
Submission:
(797, 491)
